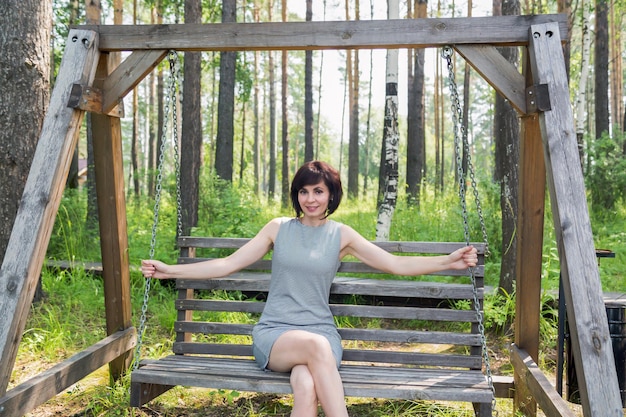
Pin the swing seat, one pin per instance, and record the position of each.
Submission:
(404, 337)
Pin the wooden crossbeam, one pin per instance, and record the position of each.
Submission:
(356, 34)
(36, 391)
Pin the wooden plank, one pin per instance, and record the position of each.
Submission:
(360, 34)
(497, 71)
(438, 248)
(36, 391)
(530, 224)
(590, 336)
(90, 99)
(109, 170)
(540, 387)
(127, 75)
(34, 221)
(256, 282)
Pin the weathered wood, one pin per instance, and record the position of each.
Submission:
(542, 390)
(355, 34)
(359, 381)
(34, 221)
(34, 392)
(497, 71)
(593, 355)
(530, 224)
(109, 170)
(90, 99)
(127, 75)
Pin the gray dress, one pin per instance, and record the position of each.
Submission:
(304, 264)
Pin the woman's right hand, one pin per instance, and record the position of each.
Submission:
(154, 269)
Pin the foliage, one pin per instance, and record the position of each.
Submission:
(606, 178)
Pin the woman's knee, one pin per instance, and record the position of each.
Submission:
(319, 349)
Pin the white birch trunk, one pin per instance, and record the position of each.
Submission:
(391, 137)
(581, 99)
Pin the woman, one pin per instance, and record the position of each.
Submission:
(296, 332)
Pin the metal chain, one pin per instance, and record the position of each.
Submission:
(170, 102)
(459, 136)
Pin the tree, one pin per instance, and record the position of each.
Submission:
(191, 143)
(506, 132)
(285, 119)
(308, 93)
(389, 154)
(581, 97)
(352, 69)
(601, 64)
(226, 103)
(25, 27)
(416, 136)
(272, 105)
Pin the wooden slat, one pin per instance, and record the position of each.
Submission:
(383, 312)
(369, 335)
(34, 392)
(259, 282)
(356, 34)
(552, 404)
(25, 252)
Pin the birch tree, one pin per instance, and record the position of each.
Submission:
(581, 96)
(391, 138)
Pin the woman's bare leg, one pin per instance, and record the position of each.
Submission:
(304, 396)
(298, 347)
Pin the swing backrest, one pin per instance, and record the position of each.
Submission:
(424, 321)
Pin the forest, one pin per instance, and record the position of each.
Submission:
(233, 127)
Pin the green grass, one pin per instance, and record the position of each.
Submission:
(72, 315)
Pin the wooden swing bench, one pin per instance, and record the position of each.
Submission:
(389, 351)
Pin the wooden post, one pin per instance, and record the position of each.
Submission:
(532, 183)
(593, 354)
(108, 160)
(33, 225)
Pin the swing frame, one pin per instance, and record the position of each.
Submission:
(91, 79)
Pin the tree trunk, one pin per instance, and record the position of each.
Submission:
(308, 93)
(272, 79)
(226, 103)
(617, 104)
(581, 98)
(601, 64)
(25, 26)
(191, 135)
(390, 139)
(416, 136)
(353, 99)
(285, 120)
(506, 129)
(255, 147)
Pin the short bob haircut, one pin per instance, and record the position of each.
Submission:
(312, 173)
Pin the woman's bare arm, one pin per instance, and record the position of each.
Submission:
(252, 251)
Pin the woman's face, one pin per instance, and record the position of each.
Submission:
(313, 200)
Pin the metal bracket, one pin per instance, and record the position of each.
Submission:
(537, 98)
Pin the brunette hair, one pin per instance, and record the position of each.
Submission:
(312, 173)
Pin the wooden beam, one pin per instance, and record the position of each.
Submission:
(36, 391)
(497, 71)
(90, 99)
(359, 34)
(591, 342)
(44, 187)
(530, 223)
(542, 390)
(127, 75)
(109, 169)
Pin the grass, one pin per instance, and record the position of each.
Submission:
(72, 316)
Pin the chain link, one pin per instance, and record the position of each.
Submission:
(170, 102)
(460, 136)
